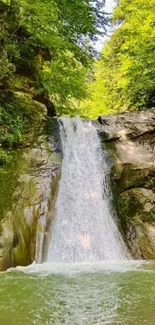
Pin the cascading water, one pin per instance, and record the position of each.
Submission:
(83, 229)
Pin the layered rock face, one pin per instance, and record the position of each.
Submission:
(27, 194)
(130, 140)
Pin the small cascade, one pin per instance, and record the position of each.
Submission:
(84, 228)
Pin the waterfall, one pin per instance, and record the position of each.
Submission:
(84, 228)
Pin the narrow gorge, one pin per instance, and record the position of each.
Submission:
(92, 206)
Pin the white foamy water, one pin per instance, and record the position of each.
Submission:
(120, 292)
(72, 269)
(84, 228)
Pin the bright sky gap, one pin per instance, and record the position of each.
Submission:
(109, 5)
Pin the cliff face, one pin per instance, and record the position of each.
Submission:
(27, 193)
(29, 187)
(130, 140)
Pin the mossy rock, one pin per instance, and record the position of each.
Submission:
(25, 196)
(152, 213)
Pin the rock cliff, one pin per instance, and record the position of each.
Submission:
(130, 140)
(27, 193)
(29, 187)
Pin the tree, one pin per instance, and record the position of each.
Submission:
(40, 36)
(125, 73)
(46, 51)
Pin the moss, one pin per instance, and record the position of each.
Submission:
(9, 180)
(23, 199)
(21, 119)
(21, 233)
(134, 207)
(24, 251)
(132, 178)
(51, 209)
(5, 157)
(152, 213)
(24, 232)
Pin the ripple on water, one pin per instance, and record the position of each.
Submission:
(81, 294)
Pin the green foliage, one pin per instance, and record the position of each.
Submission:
(49, 39)
(11, 125)
(11, 129)
(6, 68)
(125, 73)
(46, 51)
(64, 79)
(4, 157)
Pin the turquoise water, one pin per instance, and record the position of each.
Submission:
(104, 293)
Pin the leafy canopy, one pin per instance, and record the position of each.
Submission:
(46, 50)
(50, 42)
(125, 73)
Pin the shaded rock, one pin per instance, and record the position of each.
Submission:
(130, 140)
(44, 99)
(27, 190)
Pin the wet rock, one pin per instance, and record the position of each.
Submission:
(27, 190)
(130, 140)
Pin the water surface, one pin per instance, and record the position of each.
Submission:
(79, 294)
